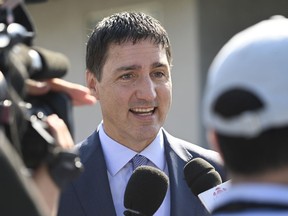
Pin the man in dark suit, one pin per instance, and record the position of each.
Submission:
(128, 63)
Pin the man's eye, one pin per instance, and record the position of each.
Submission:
(126, 76)
(158, 74)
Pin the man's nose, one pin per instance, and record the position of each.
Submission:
(146, 89)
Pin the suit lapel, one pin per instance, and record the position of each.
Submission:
(183, 202)
(93, 187)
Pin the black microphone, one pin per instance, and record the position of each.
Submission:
(200, 175)
(204, 181)
(24, 62)
(34, 1)
(53, 64)
(40, 63)
(145, 191)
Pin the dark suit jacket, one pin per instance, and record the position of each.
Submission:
(90, 195)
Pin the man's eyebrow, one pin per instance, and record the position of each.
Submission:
(138, 67)
(128, 67)
(158, 64)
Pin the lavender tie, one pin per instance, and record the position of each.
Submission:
(139, 160)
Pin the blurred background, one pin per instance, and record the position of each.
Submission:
(197, 29)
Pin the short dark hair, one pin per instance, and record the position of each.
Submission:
(244, 155)
(120, 28)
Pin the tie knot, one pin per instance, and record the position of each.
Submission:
(139, 160)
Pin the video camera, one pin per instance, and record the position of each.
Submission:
(21, 115)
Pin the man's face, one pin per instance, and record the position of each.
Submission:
(135, 92)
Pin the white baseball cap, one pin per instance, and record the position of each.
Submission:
(256, 60)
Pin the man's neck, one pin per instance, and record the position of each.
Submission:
(276, 176)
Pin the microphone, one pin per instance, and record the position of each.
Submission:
(34, 1)
(145, 191)
(200, 175)
(24, 62)
(41, 63)
(52, 64)
(204, 181)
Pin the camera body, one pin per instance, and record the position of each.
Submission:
(21, 115)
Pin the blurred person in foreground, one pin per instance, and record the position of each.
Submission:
(34, 192)
(246, 115)
(128, 63)
(26, 190)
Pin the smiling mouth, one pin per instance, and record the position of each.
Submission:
(143, 111)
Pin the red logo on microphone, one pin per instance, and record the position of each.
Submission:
(218, 191)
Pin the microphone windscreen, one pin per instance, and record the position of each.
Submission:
(200, 175)
(54, 64)
(34, 1)
(146, 190)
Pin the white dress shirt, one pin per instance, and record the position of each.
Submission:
(119, 167)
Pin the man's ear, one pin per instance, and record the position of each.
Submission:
(91, 83)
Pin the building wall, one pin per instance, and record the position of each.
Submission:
(219, 20)
(63, 26)
(197, 29)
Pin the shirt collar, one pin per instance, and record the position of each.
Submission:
(117, 155)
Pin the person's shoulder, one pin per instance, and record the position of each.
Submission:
(92, 138)
(88, 145)
(199, 151)
(195, 150)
